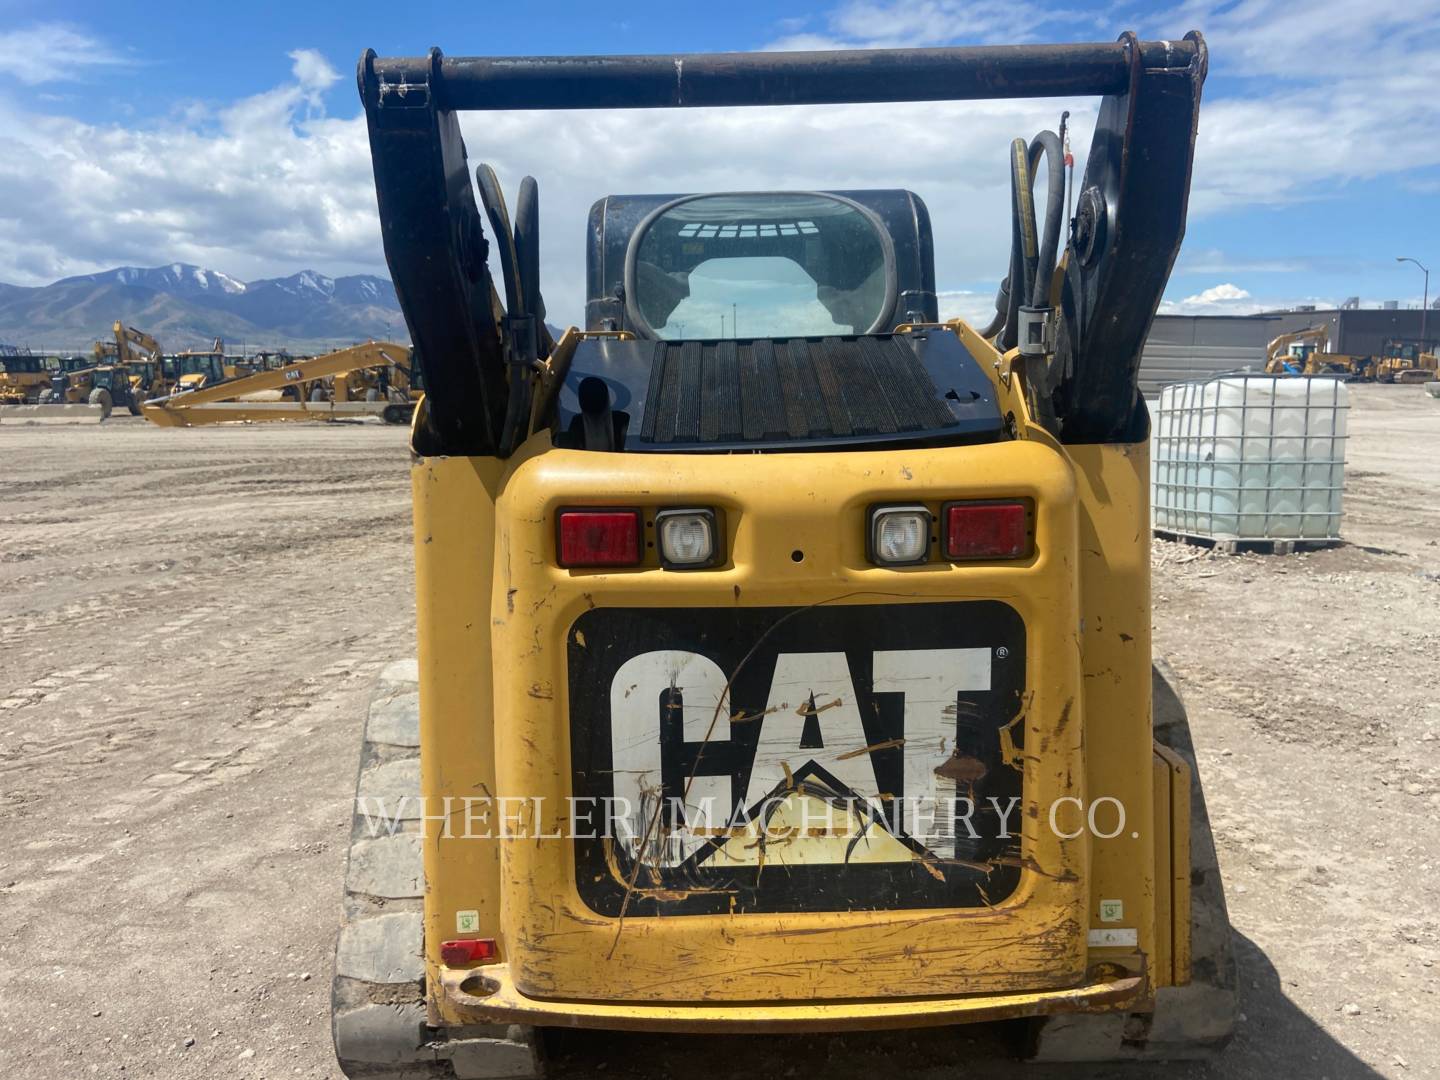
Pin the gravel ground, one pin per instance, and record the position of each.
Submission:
(190, 622)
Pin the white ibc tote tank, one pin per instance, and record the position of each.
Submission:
(1250, 457)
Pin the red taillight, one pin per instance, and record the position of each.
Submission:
(599, 537)
(985, 530)
(458, 953)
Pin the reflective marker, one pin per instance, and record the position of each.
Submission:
(985, 530)
(599, 538)
(467, 951)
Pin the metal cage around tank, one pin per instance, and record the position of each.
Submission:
(1250, 459)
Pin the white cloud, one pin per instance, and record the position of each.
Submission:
(884, 24)
(54, 52)
(1300, 144)
(312, 71)
(1214, 261)
(1229, 299)
(268, 185)
(964, 182)
(1301, 128)
(1310, 42)
(1222, 299)
(272, 184)
(1303, 98)
(1219, 294)
(974, 306)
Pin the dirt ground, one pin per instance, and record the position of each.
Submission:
(190, 622)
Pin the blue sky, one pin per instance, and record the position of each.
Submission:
(228, 135)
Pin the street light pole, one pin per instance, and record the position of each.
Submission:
(1425, 303)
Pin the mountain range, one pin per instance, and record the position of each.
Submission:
(184, 306)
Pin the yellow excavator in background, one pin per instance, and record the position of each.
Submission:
(1289, 354)
(126, 371)
(1307, 353)
(131, 345)
(297, 391)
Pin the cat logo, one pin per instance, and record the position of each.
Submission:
(810, 765)
(845, 747)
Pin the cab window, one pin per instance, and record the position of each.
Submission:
(760, 265)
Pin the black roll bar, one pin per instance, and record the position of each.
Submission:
(700, 80)
(1123, 243)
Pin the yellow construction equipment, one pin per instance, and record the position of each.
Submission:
(121, 373)
(265, 361)
(94, 392)
(1289, 353)
(1406, 362)
(394, 383)
(792, 681)
(56, 393)
(1307, 353)
(23, 376)
(131, 346)
(289, 393)
(197, 368)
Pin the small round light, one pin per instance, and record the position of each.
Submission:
(901, 535)
(686, 538)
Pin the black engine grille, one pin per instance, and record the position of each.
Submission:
(764, 391)
(918, 388)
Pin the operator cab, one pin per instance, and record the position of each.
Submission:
(767, 321)
(23, 365)
(194, 370)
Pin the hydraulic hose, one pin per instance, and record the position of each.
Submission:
(1023, 256)
(1032, 257)
(1048, 143)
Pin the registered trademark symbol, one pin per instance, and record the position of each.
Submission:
(1002, 652)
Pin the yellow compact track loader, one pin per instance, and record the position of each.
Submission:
(1406, 362)
(796, 681)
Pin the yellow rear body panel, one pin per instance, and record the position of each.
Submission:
(495, 621)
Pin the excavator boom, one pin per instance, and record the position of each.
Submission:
(233, 400)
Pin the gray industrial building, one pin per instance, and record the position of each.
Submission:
(1363, 331)
(1185, 347)
(1181, 348)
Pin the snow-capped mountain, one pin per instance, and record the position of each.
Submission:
(185, 306)
(179, 279)
(305, 283)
